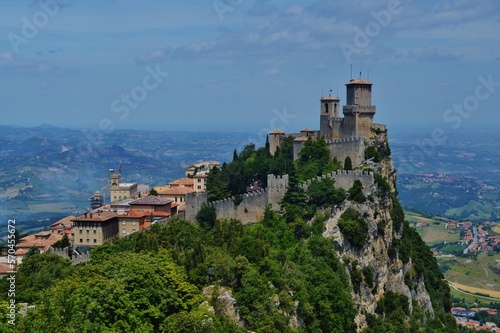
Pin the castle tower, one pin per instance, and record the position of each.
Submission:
(358, 111)
(275, 137)
(97, 200)
(115, 177)
(329, 114)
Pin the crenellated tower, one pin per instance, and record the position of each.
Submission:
(358, 111)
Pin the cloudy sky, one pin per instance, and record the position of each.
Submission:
(245, 64)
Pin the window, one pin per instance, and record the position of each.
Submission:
(81, 231)
(95, 231)
(133, 223)
(81, 240)
(133, 230)
(326, 108)
(199, 187)
(95, 240)
(123, 223)
(124, 231)
(88, 231)
(199, 180)
(88, 240)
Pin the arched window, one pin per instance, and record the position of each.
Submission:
(326, 108)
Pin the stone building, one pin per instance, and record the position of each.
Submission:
(121, 191)
(345, 136)
(92, 229)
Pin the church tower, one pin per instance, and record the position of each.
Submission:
(329, 114)
(115, 177)
(358, 111)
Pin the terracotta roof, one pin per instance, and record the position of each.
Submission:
(63, 221)
(43, 234)
(183, 181)
(96, 217)
(306, 130)
(5, 268)
(21, 252)
(276, 131)
(301, 138)
(151, 200)
(177, 190)
(135, 213)
(358, 81)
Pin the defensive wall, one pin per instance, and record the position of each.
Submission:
(253, 204)
(352, 147)
(77, 258)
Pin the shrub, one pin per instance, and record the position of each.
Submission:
(353, 227)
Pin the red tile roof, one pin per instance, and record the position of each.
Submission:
(151, 200)
(183, 181)
(96, 217)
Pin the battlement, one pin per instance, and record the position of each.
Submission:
(345, 179)
(336, 119)
(344, 140)
(359, 108)
(379, 126)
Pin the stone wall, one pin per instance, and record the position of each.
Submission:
(76, 259)
(352, 147)
(252, 207)
(345, 179)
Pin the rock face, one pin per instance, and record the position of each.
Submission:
(374, 256)
(225, 302)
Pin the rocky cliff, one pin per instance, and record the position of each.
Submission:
(376, 267)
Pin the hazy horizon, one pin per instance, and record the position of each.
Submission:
(178, 65)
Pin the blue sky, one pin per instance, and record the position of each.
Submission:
(245, 64)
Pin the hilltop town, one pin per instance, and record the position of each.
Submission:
(134, 208)
(337, 182)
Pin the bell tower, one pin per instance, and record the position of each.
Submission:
(358, 111)
(115, 177)
(329, 114)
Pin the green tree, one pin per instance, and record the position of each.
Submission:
(206, 216)
(38, 272)
(356, 192)
(354, 227)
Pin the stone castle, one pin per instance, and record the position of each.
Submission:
(347, 136)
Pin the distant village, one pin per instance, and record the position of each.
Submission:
(132, 208)
(463, 318)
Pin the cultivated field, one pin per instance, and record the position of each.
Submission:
(480, 273)
(435, 233)
(473, 290)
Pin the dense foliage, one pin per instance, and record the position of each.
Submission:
(153, 281)
(283, 274)
(354, 228)
(251, 166)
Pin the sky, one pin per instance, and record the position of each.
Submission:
(245, 64)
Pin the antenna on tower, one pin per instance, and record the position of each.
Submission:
(330, 92)
(351, 71)
(360, 74)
